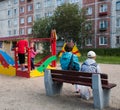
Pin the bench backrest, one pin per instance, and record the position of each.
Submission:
(82, 78)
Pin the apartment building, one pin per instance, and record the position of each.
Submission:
(18, 16)
(99, 13)
(115, 24)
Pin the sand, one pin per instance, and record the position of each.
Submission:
(18, 93)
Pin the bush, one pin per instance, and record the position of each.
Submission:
(102, 51)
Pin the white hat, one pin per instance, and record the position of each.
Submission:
(91, 54)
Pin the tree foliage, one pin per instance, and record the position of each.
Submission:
(68, 20)
(42, 28)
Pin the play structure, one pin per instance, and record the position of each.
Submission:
(11, 67)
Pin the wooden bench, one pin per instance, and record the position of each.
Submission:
(101, 87)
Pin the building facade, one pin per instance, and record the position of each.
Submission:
(115, 27)
(18, 16)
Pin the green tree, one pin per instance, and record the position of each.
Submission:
(42, 28)
(70, 22)
(67, 21)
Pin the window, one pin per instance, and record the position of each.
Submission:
(48, 3)
(29, 19)
(88, 26)
(9, 32)
(29, 30)
(60, 2)
(15, 32)
(22, 0)
(9, 12)
(22, 10)
(38, 5)
(15, 1)
(48, 14)
(30, 7)
(102, 40)
(103, 24)
(22, 20)
(22, 31)
(15, 22)
(89, 10)
(74, 1)
(9, 23)
(118, 22)
(103, 8)
(118, 5)
(118, 40)
(15, 11)
(37, 16)
(89, 41)
(9, 3)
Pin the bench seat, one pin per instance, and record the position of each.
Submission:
(54, 80)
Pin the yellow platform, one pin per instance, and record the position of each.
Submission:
(36, 73)
(10, 70)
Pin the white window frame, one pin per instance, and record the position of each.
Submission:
(29, 19)
(74, 1)
(15, 22)
(9, 2)
(9, 12)
(48, 14)
(117, 39)
(22, 31)
(15, 11)
(29, 30)
(9, 32)
(9, 23)
(15, 31)
(103, 24)
(38, 5)
(89, 11)
(22, 9)
(30, 7)
(60, 2)
(22, 0)
(118, 5)
(118, 22)
(103, 40)
(15, 1)
(22, 20)
(103, 8)
(37, 16)
(88, 41)
(48, 3)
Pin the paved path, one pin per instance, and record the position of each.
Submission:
(17, 93)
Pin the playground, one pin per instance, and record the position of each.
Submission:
(19, 93)
(11, 67)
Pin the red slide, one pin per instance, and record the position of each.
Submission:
(3, 61)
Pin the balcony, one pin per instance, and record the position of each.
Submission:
(102, 29)
(103, 13)
(29, 0)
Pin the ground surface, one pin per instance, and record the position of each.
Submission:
(17, 93)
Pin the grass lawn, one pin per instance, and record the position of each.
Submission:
(104, 59)
(99, 59)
